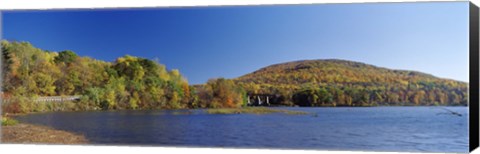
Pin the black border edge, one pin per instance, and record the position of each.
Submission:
(1, 71)
(474, 76)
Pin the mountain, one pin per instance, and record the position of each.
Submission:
(382, 85)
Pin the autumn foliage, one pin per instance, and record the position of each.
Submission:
(132, 82)
(346, 83)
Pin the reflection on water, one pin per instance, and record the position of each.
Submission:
(367, 129)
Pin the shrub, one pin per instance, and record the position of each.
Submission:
(8, 121)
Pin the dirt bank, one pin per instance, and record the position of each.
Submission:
(27, 133)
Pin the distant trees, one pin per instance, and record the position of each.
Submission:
(66, 57)
(314, 82)
(137, 83)
(221, 93)
(313, 97)
(127, 83)
(359, 96)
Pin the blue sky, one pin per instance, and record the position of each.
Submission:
(210, 42)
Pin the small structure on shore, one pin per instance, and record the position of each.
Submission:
(262, 99)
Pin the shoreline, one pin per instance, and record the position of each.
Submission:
(23, 133)
(30, 113)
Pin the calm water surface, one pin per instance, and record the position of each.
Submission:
(427, 129)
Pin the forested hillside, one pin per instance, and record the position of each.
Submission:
(127, 83)
(346, 83)
(132, 82)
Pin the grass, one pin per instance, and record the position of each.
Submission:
(182, 112)
(8, 121)
(253, 110)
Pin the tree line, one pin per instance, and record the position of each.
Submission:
(132, 82)
(346, 96)
(345, 83)
(127, 83)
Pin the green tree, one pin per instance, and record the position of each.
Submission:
(66, 57)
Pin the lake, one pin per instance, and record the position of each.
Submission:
(409, 129)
